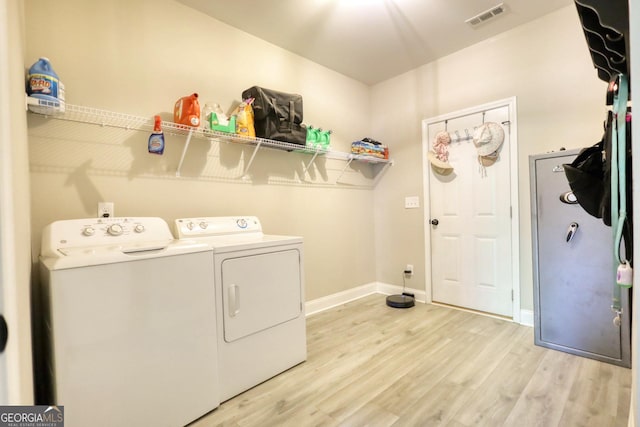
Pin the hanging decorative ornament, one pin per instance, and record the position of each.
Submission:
(439, 154)
(488, 139)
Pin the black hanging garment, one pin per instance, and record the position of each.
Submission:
(588, 178)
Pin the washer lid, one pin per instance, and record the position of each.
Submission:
(130, 248)
(110, 254)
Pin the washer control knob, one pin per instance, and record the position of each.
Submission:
(139, 228)
(115, 229)
(204, 225)
(88, 231)
(190, 225)
(242, 223)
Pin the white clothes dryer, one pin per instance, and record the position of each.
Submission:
(259, 287)
(131, 336)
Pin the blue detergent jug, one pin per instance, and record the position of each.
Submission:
(43, 83)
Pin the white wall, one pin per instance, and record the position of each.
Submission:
(139, 58)
(561, 103)
(15, 264)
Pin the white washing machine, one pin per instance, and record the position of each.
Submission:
(131, 334)
(259, 287)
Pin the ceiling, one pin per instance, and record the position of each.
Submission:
(372, 40)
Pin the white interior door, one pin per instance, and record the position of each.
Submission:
(471, 243)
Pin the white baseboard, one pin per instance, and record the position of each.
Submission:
(388, 289)
(324, 303)
(333, 300)
(526, 318)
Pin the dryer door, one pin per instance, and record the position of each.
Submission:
(260, 291)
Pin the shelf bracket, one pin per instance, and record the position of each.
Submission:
(344, 169)
(308, 165)
(253, 156)
(382, 172)
(184, 152)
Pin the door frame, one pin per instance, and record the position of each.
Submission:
(514, 193)
(5, 137)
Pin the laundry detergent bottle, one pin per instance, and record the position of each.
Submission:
(43, 83)
(186, 111)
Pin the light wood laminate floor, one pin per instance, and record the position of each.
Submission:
(371, 365)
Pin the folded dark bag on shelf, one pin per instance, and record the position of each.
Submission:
(277, 115)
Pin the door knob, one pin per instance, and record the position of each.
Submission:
(435, 222)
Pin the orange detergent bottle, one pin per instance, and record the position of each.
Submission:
(187, 111)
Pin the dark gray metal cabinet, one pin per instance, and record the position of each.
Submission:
(573, 272)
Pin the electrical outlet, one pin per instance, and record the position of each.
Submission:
(105, 209)
(412, 202)
(408, 269)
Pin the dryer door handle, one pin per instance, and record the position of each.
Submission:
(234, 300)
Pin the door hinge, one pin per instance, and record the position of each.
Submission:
(511, 212)
(511, 294)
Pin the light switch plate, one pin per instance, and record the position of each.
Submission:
(412, 202)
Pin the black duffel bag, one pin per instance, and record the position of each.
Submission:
(277, 115)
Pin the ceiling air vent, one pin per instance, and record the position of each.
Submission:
(487, 15)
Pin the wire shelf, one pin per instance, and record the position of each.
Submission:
(90, 115)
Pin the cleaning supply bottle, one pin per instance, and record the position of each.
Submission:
(187, 111)
(43, 83)
(156, 140)
(324, 138)
(206, 114)
(312, 137)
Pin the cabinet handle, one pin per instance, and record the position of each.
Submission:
(571, 231)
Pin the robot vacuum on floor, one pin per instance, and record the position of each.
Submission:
(400, 301)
